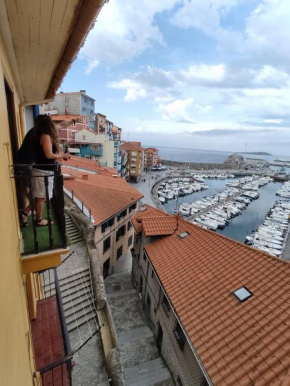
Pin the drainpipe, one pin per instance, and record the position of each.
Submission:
(146, 280)
(35, 111)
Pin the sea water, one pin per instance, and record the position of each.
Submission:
(249, 219)
(207, 156)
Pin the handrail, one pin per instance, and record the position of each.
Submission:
(68, 353)
(24, 175)
(52, 365)
(67, 346)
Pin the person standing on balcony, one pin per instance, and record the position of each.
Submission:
(47, 152)
(25, 158)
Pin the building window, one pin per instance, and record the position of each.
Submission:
(166, 305)
(152, 273)
(129, 225)
(133, 207)
(122, 215)
(179, 335)
(107, 224)
(119, 252)
(84, 137)
(130, 240)
(120, 232)
(133, 153)
(106, 244)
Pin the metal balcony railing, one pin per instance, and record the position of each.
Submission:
(59, 372)
(41, 238)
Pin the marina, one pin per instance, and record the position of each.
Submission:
(229, 210)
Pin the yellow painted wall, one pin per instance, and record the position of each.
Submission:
(16, 358)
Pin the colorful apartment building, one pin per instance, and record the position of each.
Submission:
(218, 308)
(73, 103)
(108, 201)
(155, 155)
(135, 160)
(38, 43)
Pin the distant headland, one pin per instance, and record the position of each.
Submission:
(255, 152)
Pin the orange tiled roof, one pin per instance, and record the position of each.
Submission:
(149, 211)
(105, 196)
(90, 165)
(57, 117)
(131, 146)
(83, 163)
(159, 226)
(238, 343)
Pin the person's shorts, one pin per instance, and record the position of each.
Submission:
(38, 183)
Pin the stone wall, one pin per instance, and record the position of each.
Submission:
(181, 362)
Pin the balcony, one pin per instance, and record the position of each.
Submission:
(52, 350)
(41, 246)
(88, 151)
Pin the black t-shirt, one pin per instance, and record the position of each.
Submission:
(41, 162)
(26, 154)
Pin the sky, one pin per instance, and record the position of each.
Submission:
(201, 74)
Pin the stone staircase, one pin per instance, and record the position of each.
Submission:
(148, 373)
(76, 296)
(140, 358)
(72, 231)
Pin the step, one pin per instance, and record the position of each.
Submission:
(73, 325)
(75, 240)
(72, 231)
(76, 291)
(77, 315)
(70, 277)
(133, 335)
(70, 282)
(121, 293)
(75, 295)
(144, 367)
(147, 373)
(77, 306)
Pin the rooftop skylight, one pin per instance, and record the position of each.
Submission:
(183, 235)
(243, 294)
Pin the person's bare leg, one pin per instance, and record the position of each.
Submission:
(39, 204)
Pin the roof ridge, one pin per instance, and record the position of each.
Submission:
(87, 182)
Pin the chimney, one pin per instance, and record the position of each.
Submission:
(85, 176)
(83, 91)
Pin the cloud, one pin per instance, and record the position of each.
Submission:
(227, 132)
(123, 31)
(204, 15)
(177, 110)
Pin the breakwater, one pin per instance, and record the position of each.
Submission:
(199, 165)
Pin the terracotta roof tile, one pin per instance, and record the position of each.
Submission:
(159, 226)
(57, 117)
(131, 146)
(105, 196)
(90, 165)
(149, 211)
(239, 343)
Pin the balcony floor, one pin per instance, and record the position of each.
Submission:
(42, 235)
(48, 341)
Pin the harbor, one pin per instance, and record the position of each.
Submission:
(245, 214)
